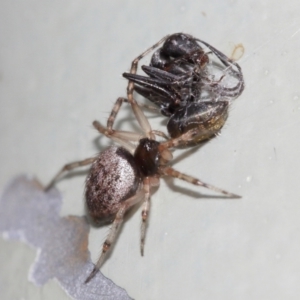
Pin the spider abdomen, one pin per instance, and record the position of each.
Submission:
(209, 117)
(113, 178)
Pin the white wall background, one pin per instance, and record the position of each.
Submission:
(60, 68)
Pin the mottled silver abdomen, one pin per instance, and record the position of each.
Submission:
(113, 178)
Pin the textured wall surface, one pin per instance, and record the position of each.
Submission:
(60, 68)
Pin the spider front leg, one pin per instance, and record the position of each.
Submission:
(168, 171)
(69, 167)
(142, 120)
(176, 174)
(118, 220)
(124, 138)
(134, 66)
(117, 107)
(129, 135)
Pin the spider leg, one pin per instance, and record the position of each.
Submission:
(69, 167)
(145, 212)
(179, 141)
(157, 86)
(113, 230)
(173, 173)
(227, 62)
(121, 137)
(146, 81)
(142, 120)
(124, 138)
(134, 64)
(160, 74)
(114, 112)
(149, 107)
(162, 100)
(161, 134)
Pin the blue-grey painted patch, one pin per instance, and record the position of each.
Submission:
(29, 214)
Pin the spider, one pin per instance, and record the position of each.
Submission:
(178, 76)
(121, 177)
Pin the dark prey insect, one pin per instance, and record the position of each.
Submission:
(182, 86)
(123, 176)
